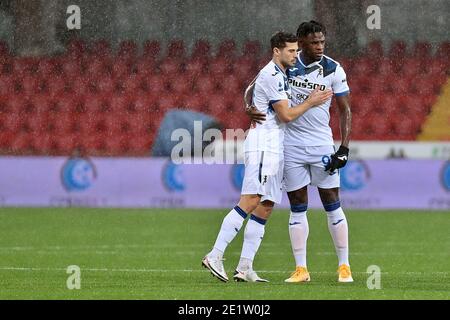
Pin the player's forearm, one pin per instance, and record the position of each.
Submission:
(345, 121)
(296, 111)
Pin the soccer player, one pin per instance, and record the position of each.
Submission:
(310, 157)
(263, 160)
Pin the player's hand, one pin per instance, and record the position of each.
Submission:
(318, 97)
(338, 160)
(254, 114)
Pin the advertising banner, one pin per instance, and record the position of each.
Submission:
(158, 183)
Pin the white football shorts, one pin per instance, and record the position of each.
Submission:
(306, 165)
(263, 175)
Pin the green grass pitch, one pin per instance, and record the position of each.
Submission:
(156, 254)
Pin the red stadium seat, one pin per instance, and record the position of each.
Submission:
(6, 85)
(93, 103)
(405, 129)
(422, 51)
(46, 67)
(21, 143)
(76, 48)
(92, 143)
(423, 86)
(166, 102)
(105, 85)
(216, 105)
(146, 67)
(140, 145)
(155, 84)
(195, 67)
(201, 50)
(205, 85)
(152, 49)
(398, 50)
(23, 66)
(100, 48)
(16, 103)
(132, 84)
(180, 85)
(121, 69)
(363, 66)
(62, 123)
(252, 48)
(41, 143)
(220, 67)
(65, 104)
(4, 48)
(374, 49)
(245, 69)
(195, 101)
(400, 86)
(29, 85)
(71, 68)
(230, 85)
(13, 122)
(116, 146)
(170, 67)
(113, 124)
(42, 104)
(37, 123)
(95, 67)
(65, 145)
(127, 50)
(227, 49)
(79, 86)
(411, 67)
(176, 50)
(443, 51)
(56, 85)
(143, 104)
(119, 104)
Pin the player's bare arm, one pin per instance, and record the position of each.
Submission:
(340, 158)
(286, 114)
(251, 110)
(345, 118)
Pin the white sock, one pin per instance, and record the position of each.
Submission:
(337, 224)
(298, 232)
(230, 227)
(253, 234)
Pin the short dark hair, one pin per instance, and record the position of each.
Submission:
(280, 38)
(312, 26)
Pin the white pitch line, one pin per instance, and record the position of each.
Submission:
(200, 270)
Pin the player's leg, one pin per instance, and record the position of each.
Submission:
(328, 186)
(253, 235)
(298, 233)
(233, 221)
(230, 227)
(338, 227)
(271, 187)
(296, 178)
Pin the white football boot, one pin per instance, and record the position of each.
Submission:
(215, 266)
(247, 276)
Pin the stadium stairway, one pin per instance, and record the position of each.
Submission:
(437, 125)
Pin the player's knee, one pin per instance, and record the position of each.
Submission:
(329, 195)
(248, 203)
(298, 197)
(264, 210)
